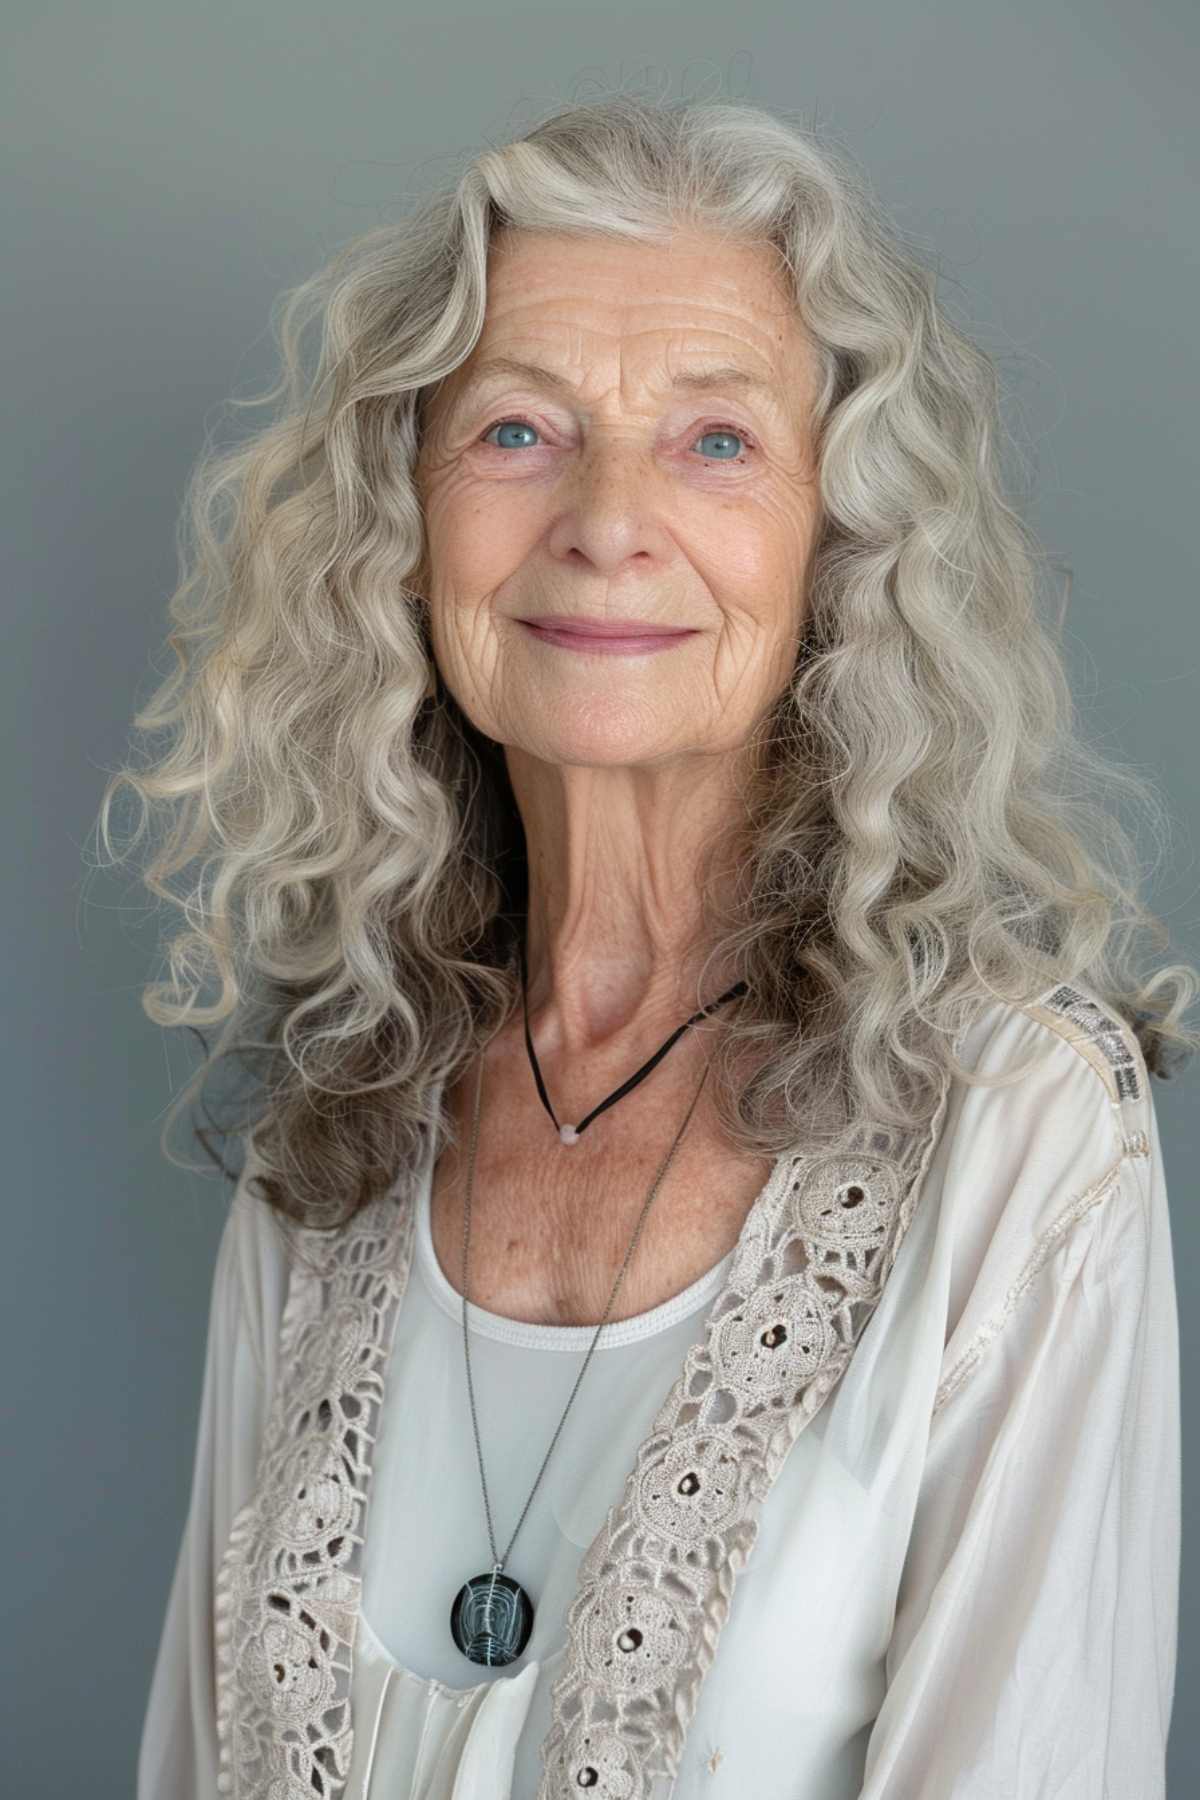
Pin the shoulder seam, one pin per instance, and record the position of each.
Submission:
(1104, 1041)
(1048, 1242)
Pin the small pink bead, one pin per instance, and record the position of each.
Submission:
(568, 1134)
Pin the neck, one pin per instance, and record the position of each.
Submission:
(619, 862)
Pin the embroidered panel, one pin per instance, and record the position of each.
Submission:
(1107, 1042)
(289, 1584)
(655, 1586)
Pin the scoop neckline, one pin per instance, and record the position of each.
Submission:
(531, 1336)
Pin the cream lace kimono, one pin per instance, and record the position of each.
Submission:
(903, 1524)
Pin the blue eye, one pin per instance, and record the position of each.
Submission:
(509, 425)
(725, 432)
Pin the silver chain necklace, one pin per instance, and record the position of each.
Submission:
(492, 1615)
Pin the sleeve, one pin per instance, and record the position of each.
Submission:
(178, 1757)
(1034, 1642)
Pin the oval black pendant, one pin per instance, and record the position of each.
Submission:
(491, 1619)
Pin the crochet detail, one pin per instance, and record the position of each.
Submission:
(655, 1586)
(289, 1585)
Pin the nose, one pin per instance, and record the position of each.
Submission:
(610, 503)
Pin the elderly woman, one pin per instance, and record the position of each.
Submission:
(696, 1315)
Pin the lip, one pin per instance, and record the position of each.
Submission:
(605, 628)
(606, 643)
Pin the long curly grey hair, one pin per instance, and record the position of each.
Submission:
(929, 832)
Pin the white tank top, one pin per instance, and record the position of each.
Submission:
(428, 1530)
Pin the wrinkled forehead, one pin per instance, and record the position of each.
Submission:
(695, 313)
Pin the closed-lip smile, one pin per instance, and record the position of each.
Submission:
(604, 628)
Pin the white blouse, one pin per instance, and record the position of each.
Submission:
(964, 1568)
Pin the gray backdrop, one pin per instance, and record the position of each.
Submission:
(169, 169)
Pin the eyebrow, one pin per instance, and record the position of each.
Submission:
(698, 381)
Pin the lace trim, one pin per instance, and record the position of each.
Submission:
(655, 1586)
(289, 1586)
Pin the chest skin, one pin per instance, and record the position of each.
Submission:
(551, 1223)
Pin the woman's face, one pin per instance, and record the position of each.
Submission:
(612, 489)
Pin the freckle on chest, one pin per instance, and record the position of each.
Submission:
(550, 1255)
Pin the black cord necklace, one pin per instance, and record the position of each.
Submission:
(492, 1615)
(571, 1134)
